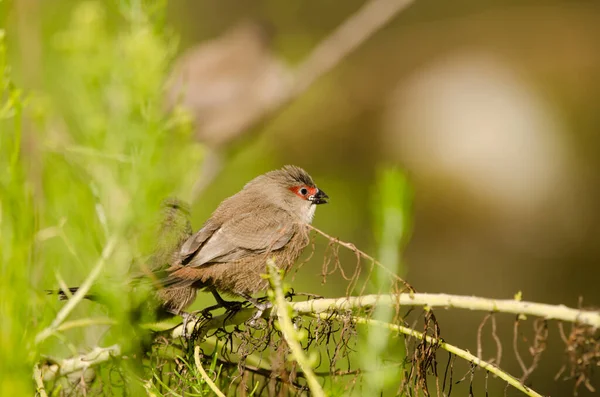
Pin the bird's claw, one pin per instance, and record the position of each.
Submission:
(206, 313)
(253, 322)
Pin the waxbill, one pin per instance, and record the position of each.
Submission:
(268, 218)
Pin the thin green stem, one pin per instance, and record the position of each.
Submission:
(80, 294)
(204, 375)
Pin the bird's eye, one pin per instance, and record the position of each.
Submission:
(303, 191)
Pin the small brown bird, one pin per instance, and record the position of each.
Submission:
(268, 218)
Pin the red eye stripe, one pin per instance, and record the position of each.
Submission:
(311, 191)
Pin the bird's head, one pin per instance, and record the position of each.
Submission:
(292, 189)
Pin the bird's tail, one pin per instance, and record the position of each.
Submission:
(63, 296)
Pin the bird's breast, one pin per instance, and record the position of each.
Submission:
(309, 214)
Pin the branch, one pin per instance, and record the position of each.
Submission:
(290, 334)
(346, 38)
(354, 31)
(37, 376)
(325, 56)
(80, 294)
(67, 366)
(550, 312)
(323, 306)
(444, 345)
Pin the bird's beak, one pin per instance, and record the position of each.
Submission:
(320, 197)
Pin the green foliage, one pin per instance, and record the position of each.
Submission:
(87, 160)
(16, 233)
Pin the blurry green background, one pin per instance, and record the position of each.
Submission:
(490, 107)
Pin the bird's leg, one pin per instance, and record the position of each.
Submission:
(228, 305)
(186, 319)
(222, 302)
(261, 306)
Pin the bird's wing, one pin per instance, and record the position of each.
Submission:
(250, 232)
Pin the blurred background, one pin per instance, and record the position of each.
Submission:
(490, 109)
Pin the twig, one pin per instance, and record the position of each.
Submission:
(444, 345)
(80, 294)
(362, 254)
(334, 48)
(204, 375)
(325, 56)
(85, 322)
(346, 38)
(98, 355)
(289, 333)
(550, 312)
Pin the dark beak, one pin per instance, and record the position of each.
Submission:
(320, 198)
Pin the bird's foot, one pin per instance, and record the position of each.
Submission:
(255, 320)
(228, 305)
(231, 306)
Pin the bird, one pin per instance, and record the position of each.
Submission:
(267, 219)
(225, 84)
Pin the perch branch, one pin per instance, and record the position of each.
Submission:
(320, 306)
(550, 312)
